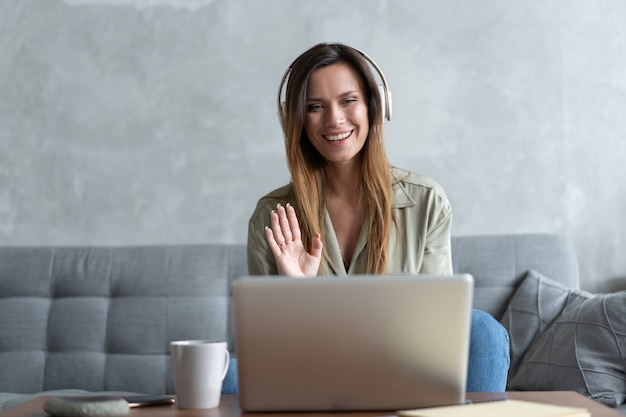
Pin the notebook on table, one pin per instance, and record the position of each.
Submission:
(347, 344)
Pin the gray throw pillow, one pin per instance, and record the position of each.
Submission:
(582, 350)
(534, 306)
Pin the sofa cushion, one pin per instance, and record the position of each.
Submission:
(533, 307)
(583, 349)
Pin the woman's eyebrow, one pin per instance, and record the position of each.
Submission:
(347, 93)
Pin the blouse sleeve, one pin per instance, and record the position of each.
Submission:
(260, 258)
(437, 250)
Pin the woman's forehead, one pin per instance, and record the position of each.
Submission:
(335, 78)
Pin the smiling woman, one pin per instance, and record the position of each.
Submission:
(355, 213)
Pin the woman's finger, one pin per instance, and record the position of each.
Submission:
(277, 230)
(269, 237)
(316, 246)
(285, 226)
(293, 223)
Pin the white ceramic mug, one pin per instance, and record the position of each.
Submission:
(199, 367)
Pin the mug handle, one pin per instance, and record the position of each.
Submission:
(227, 357)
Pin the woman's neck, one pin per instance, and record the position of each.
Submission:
(343, 181)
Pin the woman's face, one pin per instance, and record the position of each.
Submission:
(336, 120)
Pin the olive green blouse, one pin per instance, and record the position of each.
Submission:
(422, 213)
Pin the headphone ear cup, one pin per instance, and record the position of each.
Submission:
(385, 102)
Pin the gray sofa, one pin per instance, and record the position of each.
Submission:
(99, 319)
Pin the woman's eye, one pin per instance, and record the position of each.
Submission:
(314, 107)
(350, 100)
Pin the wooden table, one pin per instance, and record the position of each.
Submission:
(229, 407)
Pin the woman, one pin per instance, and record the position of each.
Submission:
(346, 210)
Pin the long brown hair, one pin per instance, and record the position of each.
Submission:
(307, 165)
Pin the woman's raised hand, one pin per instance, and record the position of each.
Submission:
(285, 242)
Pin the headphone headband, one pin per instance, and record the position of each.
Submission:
(383, 89)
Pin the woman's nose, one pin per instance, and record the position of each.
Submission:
(334, 116)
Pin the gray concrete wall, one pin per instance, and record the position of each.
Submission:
(154, 121)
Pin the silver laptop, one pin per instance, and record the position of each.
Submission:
(346, 344)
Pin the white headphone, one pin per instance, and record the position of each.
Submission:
(383, 89)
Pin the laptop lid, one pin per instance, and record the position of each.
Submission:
(356, 343)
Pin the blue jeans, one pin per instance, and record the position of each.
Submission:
(488, 357)
(230, 384)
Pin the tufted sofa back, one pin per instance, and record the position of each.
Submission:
(500, 262)
(100, 318)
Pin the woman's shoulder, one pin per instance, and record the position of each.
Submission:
(282, 195)
(416, 182)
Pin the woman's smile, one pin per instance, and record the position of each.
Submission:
(338, 137)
